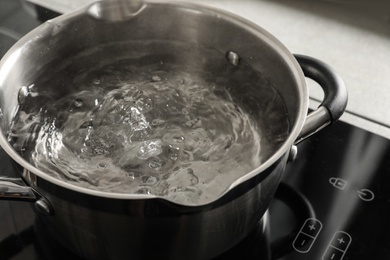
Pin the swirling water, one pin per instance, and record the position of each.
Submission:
(147, 127)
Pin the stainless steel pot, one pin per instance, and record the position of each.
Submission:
(101, 225)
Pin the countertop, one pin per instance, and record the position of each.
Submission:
(351, 36)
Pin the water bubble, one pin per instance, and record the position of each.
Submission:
(173, 148)
(187, 156)
(135, 118)
(149, 180)
(22, 95)
(176, 93)
(156, 78)
(96, 81)
(181, 81)
(185, 111)
(178, 139)
(131, 175)
(143, 190)
(78, 102)
(32, 91)
(193, 178)
(144, 104)
(101, 166)
(158, 122)
(194, 122)
(100, 151)
(137, 94)
(173, 153)
(229, 142)
(156, 164)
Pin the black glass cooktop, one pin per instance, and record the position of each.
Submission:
(333, 202)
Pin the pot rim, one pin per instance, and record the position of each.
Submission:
(230, 17)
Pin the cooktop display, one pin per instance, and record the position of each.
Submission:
(333, 202)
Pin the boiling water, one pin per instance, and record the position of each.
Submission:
(143, 124)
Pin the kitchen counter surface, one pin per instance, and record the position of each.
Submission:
(351, 36)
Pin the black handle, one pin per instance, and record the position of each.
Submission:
(335, 95)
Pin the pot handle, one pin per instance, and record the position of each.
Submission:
(16, 189)
(335, 95)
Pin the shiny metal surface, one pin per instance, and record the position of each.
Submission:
(102, 225)
(335, 96)
(315, 121)
(104, 228)
(16, 189)
(116, 10)
(293, 154)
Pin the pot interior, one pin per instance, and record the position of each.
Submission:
(161, 44)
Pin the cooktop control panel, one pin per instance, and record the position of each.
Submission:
(343, 172)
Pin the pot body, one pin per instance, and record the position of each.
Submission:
(98, 225)
(105, 228)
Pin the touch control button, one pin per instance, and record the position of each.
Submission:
(311, 227)
(307, 235)
(338, 246)
(333, 254)
(341, 240)
(366, 195)
(303, 243)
